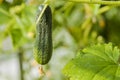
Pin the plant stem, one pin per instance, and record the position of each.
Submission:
(5, 12)
(20, 55)
(104, 9)
(45, 1)
(116, 3)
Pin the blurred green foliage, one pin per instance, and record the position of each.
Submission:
(17, 22)
(75, 26)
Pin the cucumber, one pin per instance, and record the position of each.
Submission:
(43, 44)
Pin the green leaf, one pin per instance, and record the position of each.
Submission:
(96, 62)
(4, 16)
(16, 36)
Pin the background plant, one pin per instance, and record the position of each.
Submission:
(75, 26)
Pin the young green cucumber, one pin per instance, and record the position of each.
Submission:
(43, 43)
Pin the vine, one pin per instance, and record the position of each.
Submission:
(116, 3)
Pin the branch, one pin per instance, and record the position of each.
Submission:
(20, 56)
(116, 3)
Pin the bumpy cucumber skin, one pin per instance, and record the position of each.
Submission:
(43, 43)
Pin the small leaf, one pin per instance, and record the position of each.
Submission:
(96, 62)
(16, 35)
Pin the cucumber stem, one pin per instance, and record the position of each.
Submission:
(39, 17)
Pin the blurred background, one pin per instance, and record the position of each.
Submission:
(75, 26)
